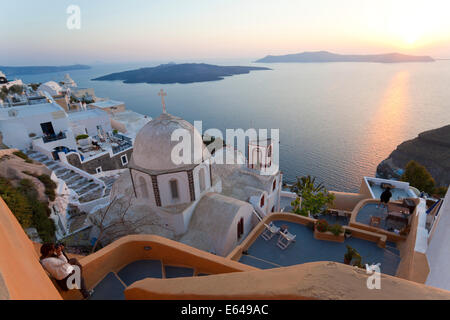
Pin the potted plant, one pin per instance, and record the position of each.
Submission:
(348, 256)
(322, 225)
(336, 229)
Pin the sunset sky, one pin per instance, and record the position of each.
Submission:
(35, 32)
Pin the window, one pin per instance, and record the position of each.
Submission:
(174, 188)
(273, 209)
(240, 228)
(124, 159)
(274, 186)
(201, 178)
(98, 170)
(261, 203)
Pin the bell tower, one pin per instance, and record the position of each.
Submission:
(260, 153)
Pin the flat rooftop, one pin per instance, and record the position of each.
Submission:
(107, 103)
(86, 114)
(266, 254)
(28, 110)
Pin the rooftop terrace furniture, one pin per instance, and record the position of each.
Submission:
(285, 239)
(375, 221)
(270, 231)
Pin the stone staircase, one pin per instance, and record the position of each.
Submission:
(86, 189)
(113, 284)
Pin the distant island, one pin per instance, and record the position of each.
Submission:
(325, 56)
(431, 149)
(179, 73)
(17, 71)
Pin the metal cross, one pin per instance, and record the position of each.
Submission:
(162, 94)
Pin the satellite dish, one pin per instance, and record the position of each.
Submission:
(12, 113)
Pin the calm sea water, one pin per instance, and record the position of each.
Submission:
(337, 121)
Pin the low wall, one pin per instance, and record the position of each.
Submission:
(317, 280)
(21, 275)
(346, 201)
(122, 252)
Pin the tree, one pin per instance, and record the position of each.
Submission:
(16, 89)
(312, 198)
(115, 221)
(419, 177)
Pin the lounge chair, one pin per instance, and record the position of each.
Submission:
(285, 239)
(270, 231)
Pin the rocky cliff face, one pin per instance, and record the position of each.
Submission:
(431, 149)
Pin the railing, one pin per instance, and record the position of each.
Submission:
(54, 137)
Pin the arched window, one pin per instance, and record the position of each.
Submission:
(261, 203)
(201, 179)
(174, 188)
(273, 209)
(240, 228)
(274, 185)
(143, 187)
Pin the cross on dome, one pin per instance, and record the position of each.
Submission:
(162, 94)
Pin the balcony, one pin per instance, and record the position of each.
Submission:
(54, 137)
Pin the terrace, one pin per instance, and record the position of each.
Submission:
(265, 254)
(394, 221)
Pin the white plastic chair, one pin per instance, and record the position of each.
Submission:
(285, 239)
(270, 231)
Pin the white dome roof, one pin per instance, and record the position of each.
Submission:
(153, 145)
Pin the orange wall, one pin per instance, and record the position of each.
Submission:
(317, 280)
(20, 269)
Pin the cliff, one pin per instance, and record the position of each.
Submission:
(431, 149)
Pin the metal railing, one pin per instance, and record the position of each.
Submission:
(54, 137)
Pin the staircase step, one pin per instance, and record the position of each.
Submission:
(178, 272)
(110, 288)
(139, 270)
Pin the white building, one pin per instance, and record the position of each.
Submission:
(42, 125)
(194, 202)
(437, 246)
(52, 88)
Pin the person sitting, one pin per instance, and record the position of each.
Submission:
(384, 198)
(55, 262)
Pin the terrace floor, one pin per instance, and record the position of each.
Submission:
(370, 209)
(113, 284)
(266, 254)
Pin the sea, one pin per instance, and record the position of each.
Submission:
(336, 121)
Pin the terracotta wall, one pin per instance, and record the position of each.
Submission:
(20, 269)
(139, 247)
(414, 265)
(346, 201)
(317, 280)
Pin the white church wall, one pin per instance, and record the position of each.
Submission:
(144, 187)
(183, 188)
(229, 241)
(207, 180)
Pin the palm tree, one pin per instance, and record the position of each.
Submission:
(306, 183)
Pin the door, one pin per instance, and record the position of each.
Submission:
(47, 129)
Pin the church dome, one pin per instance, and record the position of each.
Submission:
(153, 145)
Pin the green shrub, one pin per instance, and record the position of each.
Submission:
(82, 136)
(20, 154)
(336, 229)
(30, 212)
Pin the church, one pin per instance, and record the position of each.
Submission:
(204, 203)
